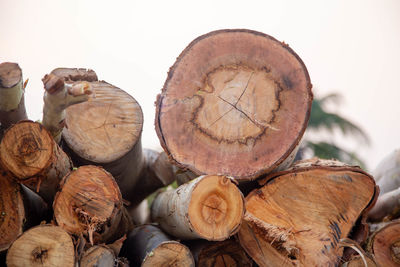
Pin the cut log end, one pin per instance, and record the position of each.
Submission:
(12, 213)
(169, 253)
(10, 75)
(300, 216)
(216, 208)
(88, 134)
(227, 100)
(88, 200)
(385, 245)
(26, 149)
(44, 245)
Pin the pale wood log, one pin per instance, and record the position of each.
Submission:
(384, 244)
(219, 254)
(30, 154)
(140, 214)
(147, 245)
(299, 216)
(387, 206)
(236, 103)
(90, 204)
(209, 207)
(387, 173)
(44, 245)
(12, 101)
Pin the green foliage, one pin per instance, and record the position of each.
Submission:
(321, 118)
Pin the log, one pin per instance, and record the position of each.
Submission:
(357, 261)
(219, 254)
(140, 214)
(30, 154)
(90, 204)
(300, 216)
(210, 207)
(44, 245)
(236, 103)
(147, 245)
(58, 96)
(12, 100)
(387, 176)
(106, 131)
(384, 244)
(20, 209)
(99, 255)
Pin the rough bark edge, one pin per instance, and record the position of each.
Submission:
(81, 74)
(171, 71)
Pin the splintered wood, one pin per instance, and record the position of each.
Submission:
(300, 216)
(236, 102)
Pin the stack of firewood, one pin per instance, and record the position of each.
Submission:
(74, 187)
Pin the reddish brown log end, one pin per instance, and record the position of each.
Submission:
(236, 102)
(52, 83)
(385, 245)
(12, 212)
(89, 203)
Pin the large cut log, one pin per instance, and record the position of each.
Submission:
(20, 209)
(147, 245)
(209, 207)
(236, 102)
(44, 245)
(299, 216)
(90, 204)
(30, 154)
(387, 176)
(385, 244)
(219, 254)
(12, 101)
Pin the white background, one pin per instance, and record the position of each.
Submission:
(350, 47)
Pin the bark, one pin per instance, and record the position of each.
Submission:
(387, 173)
(20, 209)
(30, 154)
(209, 207)
(12, 101)
(44, 245)
(300, 216)
(58, 96)
(71, 75)
(236, 103)
(387, 206)
(106, 131)
(147, 245)
(90, 204)
(384, 244)
(219, 254)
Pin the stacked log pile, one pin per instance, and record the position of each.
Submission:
(230, 118)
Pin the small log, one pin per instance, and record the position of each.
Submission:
(20, 209)
(147, 245)
(219, 254)
(99, 255)
(387, 173)
(300, 216)
(30, 154)
(209, 207)
(236, 103)
(357, 261)
(384, 244)
(44, 245)
(58, 96)
(140, 214)
(12, 100)
(387, 206)
(90, 204)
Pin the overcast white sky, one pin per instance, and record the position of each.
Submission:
(350, 47)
